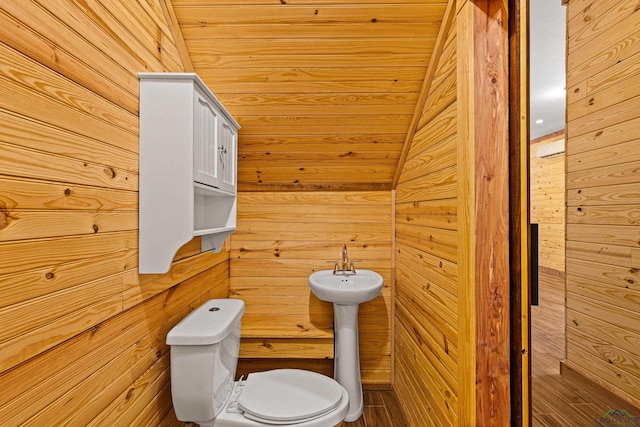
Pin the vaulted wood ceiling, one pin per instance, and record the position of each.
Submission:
(325, 90)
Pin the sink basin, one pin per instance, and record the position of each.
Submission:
(346, 287)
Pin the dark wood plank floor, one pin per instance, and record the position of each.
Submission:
(547, 326)
(566, 399)
(381, 409)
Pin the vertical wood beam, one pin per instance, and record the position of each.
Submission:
(466, 224)
(483, 180)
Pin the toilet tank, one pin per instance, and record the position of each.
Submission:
(204, 356)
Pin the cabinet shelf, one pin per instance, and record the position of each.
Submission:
(187, 168)
(214, 230)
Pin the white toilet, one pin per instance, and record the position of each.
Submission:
(204, 356)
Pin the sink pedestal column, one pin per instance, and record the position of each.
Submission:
(347, 356)
(347, 290)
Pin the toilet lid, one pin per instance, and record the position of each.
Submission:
(287, 395)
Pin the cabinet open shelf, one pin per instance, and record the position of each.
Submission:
(215, 230)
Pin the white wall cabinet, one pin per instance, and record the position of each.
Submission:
(188, 146)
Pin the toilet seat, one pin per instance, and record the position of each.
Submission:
(288, 396)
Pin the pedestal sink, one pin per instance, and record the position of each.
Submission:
(347, 290)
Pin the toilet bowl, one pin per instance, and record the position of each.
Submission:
(277, 404)
(204, 355)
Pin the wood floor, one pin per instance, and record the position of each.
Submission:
(381, 409)
(547, 326)
(566, 399)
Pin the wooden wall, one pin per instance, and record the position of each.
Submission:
(452, 345)
(603, 194)
(82, 336)
(324, 90)
(426, 293)
(283, 237)
(547, 187)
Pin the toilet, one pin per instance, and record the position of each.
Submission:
(204, 357)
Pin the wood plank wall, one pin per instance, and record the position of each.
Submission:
(324, 90)
(547, 187)
(426, 293)
(283, 237)
(82, 337)
(603, 194)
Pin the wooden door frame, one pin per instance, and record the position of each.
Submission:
(519, 222)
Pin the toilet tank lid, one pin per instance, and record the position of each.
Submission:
(208, 324)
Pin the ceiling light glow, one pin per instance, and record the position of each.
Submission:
(559, 92)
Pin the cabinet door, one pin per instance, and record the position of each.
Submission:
(227, 143)
(205, 144)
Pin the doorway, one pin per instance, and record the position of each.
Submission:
(583, 365)
(547, 182)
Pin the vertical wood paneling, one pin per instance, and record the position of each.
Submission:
(281, 239)
(547, 191)
(82, 339)
(427, 283)
(603, 193)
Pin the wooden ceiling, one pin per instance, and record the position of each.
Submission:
(325, 90)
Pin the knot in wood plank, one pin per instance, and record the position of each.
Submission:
(5, 217)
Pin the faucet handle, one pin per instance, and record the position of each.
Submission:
(335, 266)
(351, 266)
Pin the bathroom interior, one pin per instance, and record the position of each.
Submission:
(357, 129)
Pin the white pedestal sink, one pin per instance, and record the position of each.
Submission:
(347, 290)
